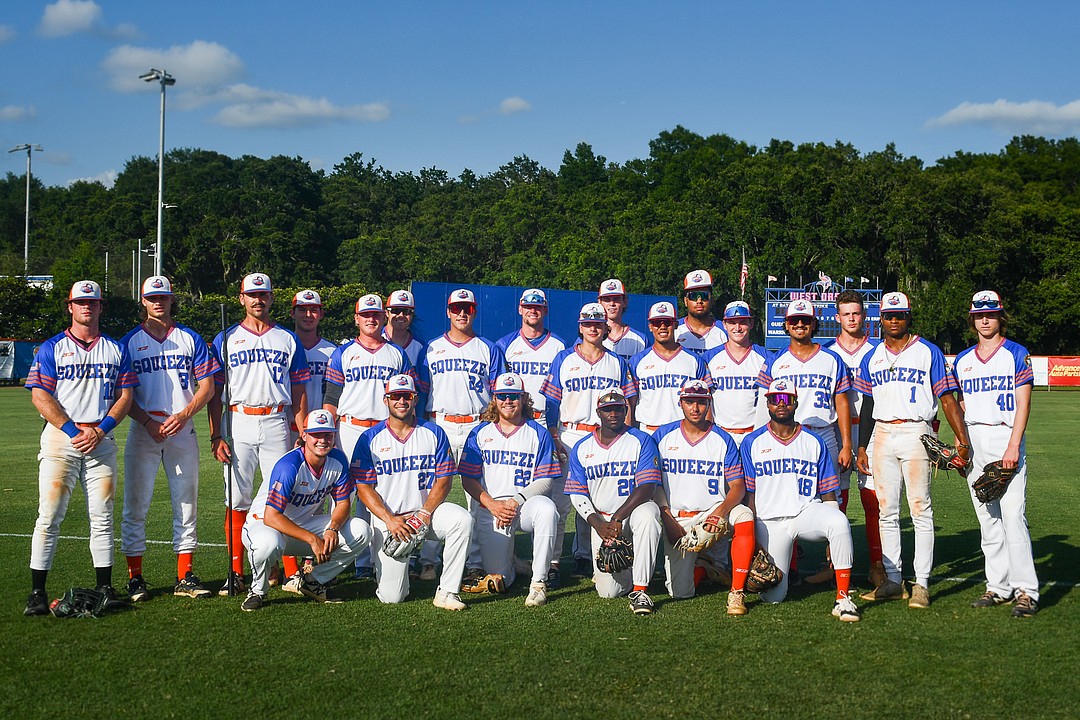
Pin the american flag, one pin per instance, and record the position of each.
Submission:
(743, 274)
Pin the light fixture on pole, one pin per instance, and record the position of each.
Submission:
(160, 76)
(27, 148)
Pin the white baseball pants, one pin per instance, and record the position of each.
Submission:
(266, 545)
(179, 454)
(679, 565)
(817, 521)
(644, 529)
(537, 517)
(451, 524)
(900, 462)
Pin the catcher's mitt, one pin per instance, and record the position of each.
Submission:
(993, 482)
(398, 549)
(701, 535)
(764, 575)
(79, 602)
(491, 583)
(944, 457)
(614, 556)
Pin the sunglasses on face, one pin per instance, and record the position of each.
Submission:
(399, 311)
(459, 309)
(400, 396)
(987, 304)
(781, 399)
(508, 397)
(800, 321)
(698, 295)
(665, 322)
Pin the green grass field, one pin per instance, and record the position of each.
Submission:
(579, 656)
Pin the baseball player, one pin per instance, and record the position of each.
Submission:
(579, 376)
(81, 382)
(902, 380)
(170, 361)
(734, 368)
(698, 331)
(307, 313)
(623, 340)
(508, 465)
(661, 370)
(852, 345)
(285, 516)
(791, 488)
(400, 310)
(995, 382)
(614, 473)
(403, 467)
(267, 371)
(701, 476)
(529, 352)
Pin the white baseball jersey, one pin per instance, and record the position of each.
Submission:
(506, 464)
(263, 367)
(460, 376)
(989, 384)
(412, 350)
(318, 358)
(735, 390)
(574, 385)
(786, 475)
(700, 343)
(531, 359)
(297, 492)
(658, 381)
(818, 379)
(168, 367)
(608, 474)
(403, 470)
(630, 344)
(853, 360)
(907, 384)
(84, 380)
(695, 475)
(362, 374)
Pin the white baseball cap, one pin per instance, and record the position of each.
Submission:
(895, 302)
(306, 297)
(401, 299)
(781, 386)
(799, 308)
(533, 296)
(661, 310)
(319, 421)
(737, 309)
(697, 280)
(369, 303)
(694, 388)
(612, 397)
(461, 296)
(256, 282)
(509, 382)
(592, 313)
(85, 290)
(611, 287)
(985, 301)
(401, 384)
(156, 285)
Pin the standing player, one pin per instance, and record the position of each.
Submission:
(614, 473)
(734, 368)
(995, 381)
(623, 340)
(902, 380)
(579, 376)
(307, 313)
(170, 360)
(266, 368)
(401, 309)
(285, 516)
(698, 331)
(507, 467)
(403, 468)
(791, 488)
(661, 370)
(702, 477)
(81, 382)
(852, 345)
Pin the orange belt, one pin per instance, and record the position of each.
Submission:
(580, 426)
(247, 410)
(362, 422)
(901, 422)
(687, 513)
(158, 413)
(651, 428)
(739, 431)
(87, 425)
(453, 418)
(537, 414)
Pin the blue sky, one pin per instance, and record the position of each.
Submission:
(474, 84)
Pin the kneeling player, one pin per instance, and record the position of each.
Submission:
(702, 480)
(791, 487)
(284, 516)
(507, 466)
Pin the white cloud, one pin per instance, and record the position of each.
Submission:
(1033, 116)
(197, 67)
(247, 106)
(17, 112)
(107, 178)
(68, 17)
(512, 105)
(6, 33)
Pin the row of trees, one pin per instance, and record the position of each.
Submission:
(1009, 221)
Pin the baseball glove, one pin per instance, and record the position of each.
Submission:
(614, 556)
(491, 583)
(944, 457)
(993, 482)
(399, 549)
(701, 535)
(764, 575)
(78, 603)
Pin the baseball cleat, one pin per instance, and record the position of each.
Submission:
(990, 599)
(137, 590)
(582, 568)
(846, 610)
(447, 600)
(312, 588)
(877, 574)
(825, 575)
(474, 581)
(190, 586)
(364, 573)
(554, 579)
(1025, 606)
(234, 585)
(292, 585)
(427, 571)
(889, 590)
(37, 604)
(920, 597)
(640, 603)
(252, 602)
(112, 599)
(537, 595)
(736, 603)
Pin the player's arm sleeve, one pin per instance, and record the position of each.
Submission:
(576, 482)
(628, 385)
(703, 373)
(648, 465)
(733, 470)
(826, 472)
(1024, 374)
(43, 371)
(361, 466)
(216, 351)
(747, 463)
(203, 362)
(862, 381)
(472, 461)
(764, 377)
(299, 372)
(444, 459)
(497, 364)
(843, 377)
(282, 479)
(942, 380)
(546, 467)
(343, 487)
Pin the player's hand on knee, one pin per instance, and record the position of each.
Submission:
(608, 529)
(397, 527)
(673, 529)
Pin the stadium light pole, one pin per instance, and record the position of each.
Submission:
(27, 148)
(165, 79)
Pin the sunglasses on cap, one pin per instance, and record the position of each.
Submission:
(508, 397)
(987, 304)
(698, 295)
(780, 399)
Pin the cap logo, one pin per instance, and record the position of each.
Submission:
(985, 297)
(780, 386)
(800, 306)
(463, 294)
(320, 419)
(370, 301)
(156, 282)
(894, 300)
(662, 308)
(309, 295)
(612, 285)
(697, 277)
(403, 297)
(402, 381)
(87, 288)
(257, 280)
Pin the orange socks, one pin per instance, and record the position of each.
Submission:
(742, 550)
(843, 582)
(236, 543)
(871, 510)
(183, 565)
(289, 566)
(134, 563)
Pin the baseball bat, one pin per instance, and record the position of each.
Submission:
(226, 436)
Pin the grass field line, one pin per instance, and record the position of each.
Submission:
(116, 541)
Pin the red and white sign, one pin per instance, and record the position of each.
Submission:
(1064, 371)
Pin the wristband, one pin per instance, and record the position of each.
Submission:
(520, 499)
(214, 437)
(107, 425)
(70, 429)
(423, 512)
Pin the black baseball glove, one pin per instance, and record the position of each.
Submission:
(614, 556)
(993, 482)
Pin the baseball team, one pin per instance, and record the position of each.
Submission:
(654, 440)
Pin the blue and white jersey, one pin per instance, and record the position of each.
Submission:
(988, 385)
(362, 374)
(169, 368)
(574, 385)
(412, 350)
(818, 380)
(786, 475)
(531, 359)
(905, 385)
(853, 360)
(506, 464)
(403, 470)
(699, 344)
(84, 380)
(318, 357)
(630, 344)
(263, 367)
(695, 475)
(658, 380)
(609, 473)
(297, 492)
(460, 376)
(735, 390)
